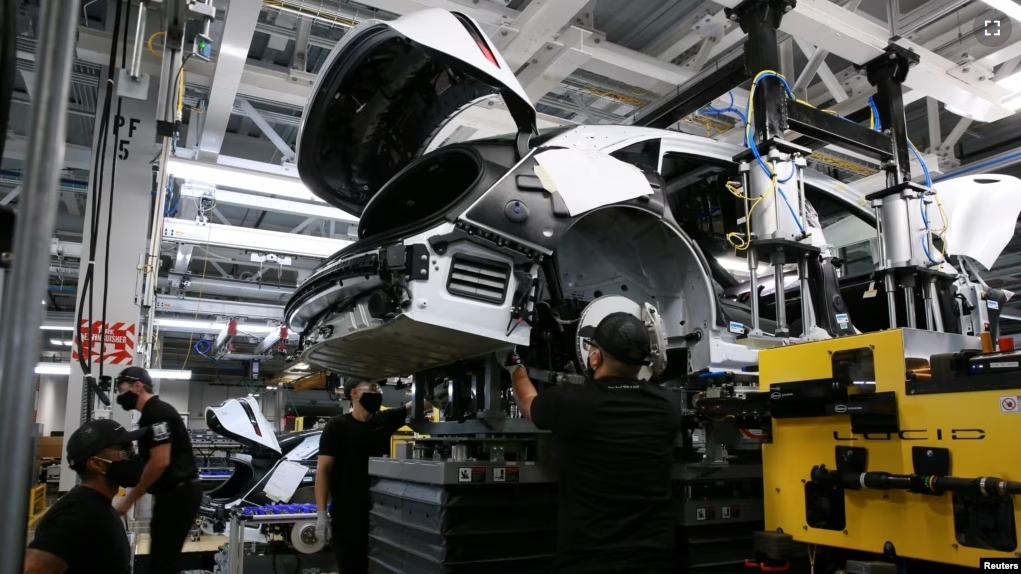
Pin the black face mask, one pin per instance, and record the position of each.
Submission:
(371, 402)
(590, 372)
(126, 472)
(127, 400)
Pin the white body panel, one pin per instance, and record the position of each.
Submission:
(982, 211)
(242, 420)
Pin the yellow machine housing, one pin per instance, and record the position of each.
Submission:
(981, 439)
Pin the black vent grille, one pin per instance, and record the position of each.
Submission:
(480, 279)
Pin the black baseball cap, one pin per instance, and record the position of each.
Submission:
(132, 374)
(352, 383)
(621, 335)
(94, 436)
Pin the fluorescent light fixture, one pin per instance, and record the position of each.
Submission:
(211, 326)
(239, 178)
(255, 395)
(65, 369)
(1008, 7)
(170, 375)
(263, 203)
(1013, 103)
(60, 342)
(739, 265)
(56, 328)
(1011, 82)
(53, 369)
(271, 388)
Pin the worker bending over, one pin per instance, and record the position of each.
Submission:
(614, 436)
(170, 473)
(347, 443)
(82, 533)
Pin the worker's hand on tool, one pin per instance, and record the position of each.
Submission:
(123, 506)
(512, 363)
(323, 530)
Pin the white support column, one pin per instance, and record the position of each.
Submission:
(786, 50)
(238, 30)
(131, 136)
(932, 117)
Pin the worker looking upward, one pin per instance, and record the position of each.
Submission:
(347, 443)
(170, 473)
(614, 436)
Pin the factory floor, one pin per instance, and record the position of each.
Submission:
(207, 543)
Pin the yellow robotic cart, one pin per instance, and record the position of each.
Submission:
(895, 443)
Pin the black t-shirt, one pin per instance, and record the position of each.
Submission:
(83, 530)
(351, 442)
(614, 440)
(167, 428)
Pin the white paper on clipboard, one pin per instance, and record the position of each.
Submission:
(589, 179)
(285, 481)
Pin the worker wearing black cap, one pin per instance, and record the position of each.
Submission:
(342, 474)
(82, 533)
(614, 437)
(170, 473)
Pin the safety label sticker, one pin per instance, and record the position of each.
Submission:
(736, 327)
(113, 343)
(725, 512)
(471, 474)
(843, 320)
(700, 513)
(499, 475)
(1010, 404)
(992, 304)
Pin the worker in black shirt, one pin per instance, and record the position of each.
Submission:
(170, 473)
(347, 443)
(82, 533)
(614, 436)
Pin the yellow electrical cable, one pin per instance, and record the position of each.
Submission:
(152, 50)
(733, 237)
(811, 557)
(202, 288)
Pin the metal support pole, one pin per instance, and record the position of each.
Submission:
(927, 298)
(937, 313)
(890, 286)
(807, 321)
(909, 306)
(781, 300)
(136, 54)
(753, 281)
(19, 333)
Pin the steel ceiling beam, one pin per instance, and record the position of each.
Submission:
(238, 30)
(538, 24)
(267, 130)
(859, 40)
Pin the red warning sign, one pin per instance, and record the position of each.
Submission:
(115, 343)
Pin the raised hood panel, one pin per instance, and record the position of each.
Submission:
(242, 420)
(385, 90)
